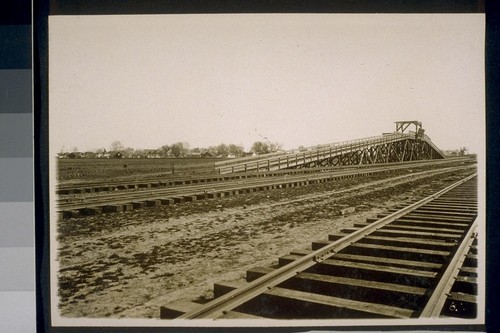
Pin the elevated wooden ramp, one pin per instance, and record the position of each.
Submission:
(386, 148)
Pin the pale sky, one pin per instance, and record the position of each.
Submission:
(302, 79)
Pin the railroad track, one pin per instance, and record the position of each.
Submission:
(121, 201)
(106, 186)
(410, 262)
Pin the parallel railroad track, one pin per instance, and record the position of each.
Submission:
(414, 261)
(105, 186)
(120, 201)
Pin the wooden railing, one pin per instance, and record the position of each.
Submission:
(295, 157)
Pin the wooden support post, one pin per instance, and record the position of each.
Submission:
(167, 201)
(139, 204)
(113, 208)
(153, 203)
(71, 213)
(91, 211)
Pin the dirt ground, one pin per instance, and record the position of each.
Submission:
(129, 264)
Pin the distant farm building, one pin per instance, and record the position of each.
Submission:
(116, 154)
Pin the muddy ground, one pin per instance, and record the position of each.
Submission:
(129, 264)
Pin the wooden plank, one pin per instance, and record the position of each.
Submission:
(128, 206)
(113, 208)
(415, 233)
(222, 288)
(465, 284)
(421, 218)
(472, 256)
(458, 231)
(467, 279)
(410, 242)
(153, 203)
(362, 283)
(443, 217)
(403, 221)
(256, 272)
(461, 297)
(404, 250)
(444, 201)
(434, 204)
(284, 260)
(166, 201)
(418, 228)
(441, 210)
(431, 212)
(379, 268)
(365, 307)
(91, 211)
(139, 204)
(300, 252)
(238, 315)
(178, 308)
(469, 271)
(178, 199)
(388, 261)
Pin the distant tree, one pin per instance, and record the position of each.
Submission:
(179, 149)
(235, 150)
(221, 150)
(274, 146)
(140, 152)
(128, 151)
(260, 148)
(117, 146)
(164, 150)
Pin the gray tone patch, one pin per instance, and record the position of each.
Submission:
(16, 179)
(16, 224)
(16, 138)
(18, 263)
(15, 91)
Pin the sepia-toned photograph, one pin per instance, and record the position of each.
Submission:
(267, 169)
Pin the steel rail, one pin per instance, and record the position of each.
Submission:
(192, 190)
(231, 300)
(223, 186)
(100, 196)
(213, 178)
(229, 185)
(355, 188)
(435, 303)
